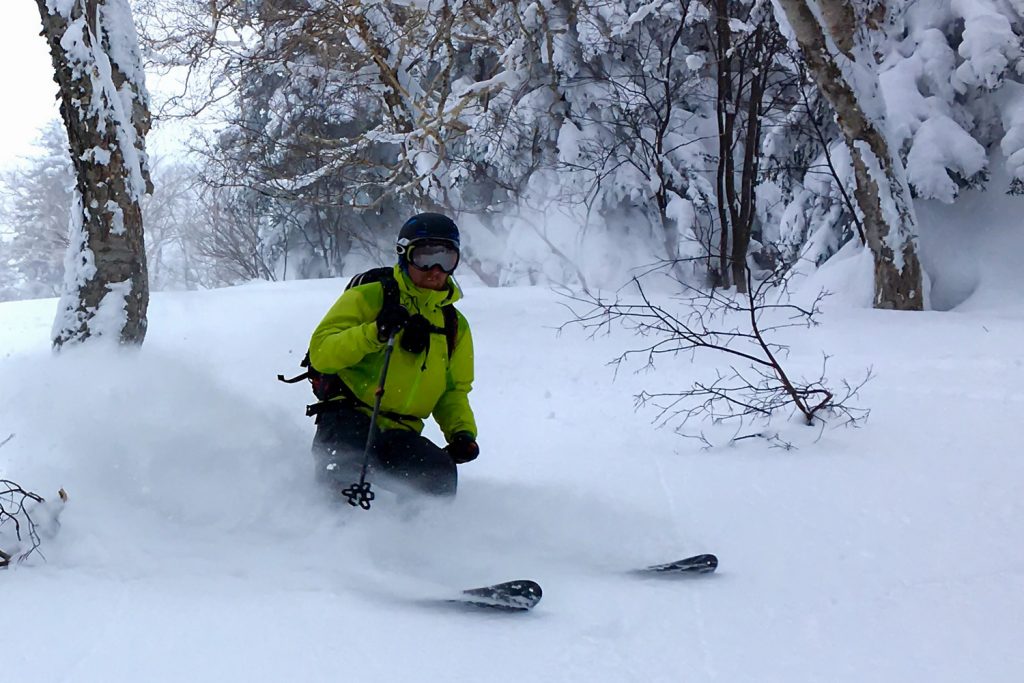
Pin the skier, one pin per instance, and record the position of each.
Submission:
(430, 371)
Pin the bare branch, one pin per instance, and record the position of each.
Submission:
(730, 325)
(16, 510)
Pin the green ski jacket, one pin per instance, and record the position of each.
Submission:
(418, 385)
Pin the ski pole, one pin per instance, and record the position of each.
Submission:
(359, 493)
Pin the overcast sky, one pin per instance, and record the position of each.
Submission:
(27, 80)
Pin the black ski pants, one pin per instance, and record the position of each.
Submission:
(403, 456)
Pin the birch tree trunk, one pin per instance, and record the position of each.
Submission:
(828, 45)
(105, 109)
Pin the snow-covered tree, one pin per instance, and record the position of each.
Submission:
(105, 109)
(35, 210)
(551, 128)
(35, 202)
(835, 39)
(949, 78)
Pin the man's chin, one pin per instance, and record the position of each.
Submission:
(434, 283)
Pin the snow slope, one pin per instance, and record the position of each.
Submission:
(195, 548)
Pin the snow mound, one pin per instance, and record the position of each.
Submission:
(971, 249)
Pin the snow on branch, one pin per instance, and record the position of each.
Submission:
(989, 47)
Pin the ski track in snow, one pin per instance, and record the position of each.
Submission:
(195, 547)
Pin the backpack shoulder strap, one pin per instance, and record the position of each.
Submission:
(385, 277)
(451, 326)
(298, 378)
(371, 275)
(387, 282)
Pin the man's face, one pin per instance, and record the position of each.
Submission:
(435, 278)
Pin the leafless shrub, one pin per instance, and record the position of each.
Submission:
(754, 385)
(25, 513)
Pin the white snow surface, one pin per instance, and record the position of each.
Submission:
(195, 546)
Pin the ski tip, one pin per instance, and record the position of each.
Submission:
(520, 595)
(698, 564)
(519, 586)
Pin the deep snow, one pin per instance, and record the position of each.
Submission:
(195, 547)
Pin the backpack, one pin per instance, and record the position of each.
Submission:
(327, 386)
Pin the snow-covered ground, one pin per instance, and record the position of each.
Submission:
(195, 547)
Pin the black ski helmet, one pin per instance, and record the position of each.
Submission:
(427, 226)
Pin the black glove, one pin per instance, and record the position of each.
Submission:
(416, 337)
(391, 320)
(463, 448)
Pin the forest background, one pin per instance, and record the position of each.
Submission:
(574, 141)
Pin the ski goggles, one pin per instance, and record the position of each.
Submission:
(434, 255)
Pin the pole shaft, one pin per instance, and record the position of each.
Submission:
(372, 435)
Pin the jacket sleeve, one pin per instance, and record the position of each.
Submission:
(452, 412)
(349, 330)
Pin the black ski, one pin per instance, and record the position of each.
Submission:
(698, 564)
(511, 596)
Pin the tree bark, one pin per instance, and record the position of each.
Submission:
(105, 111)
(882, 193)
(726, 117)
